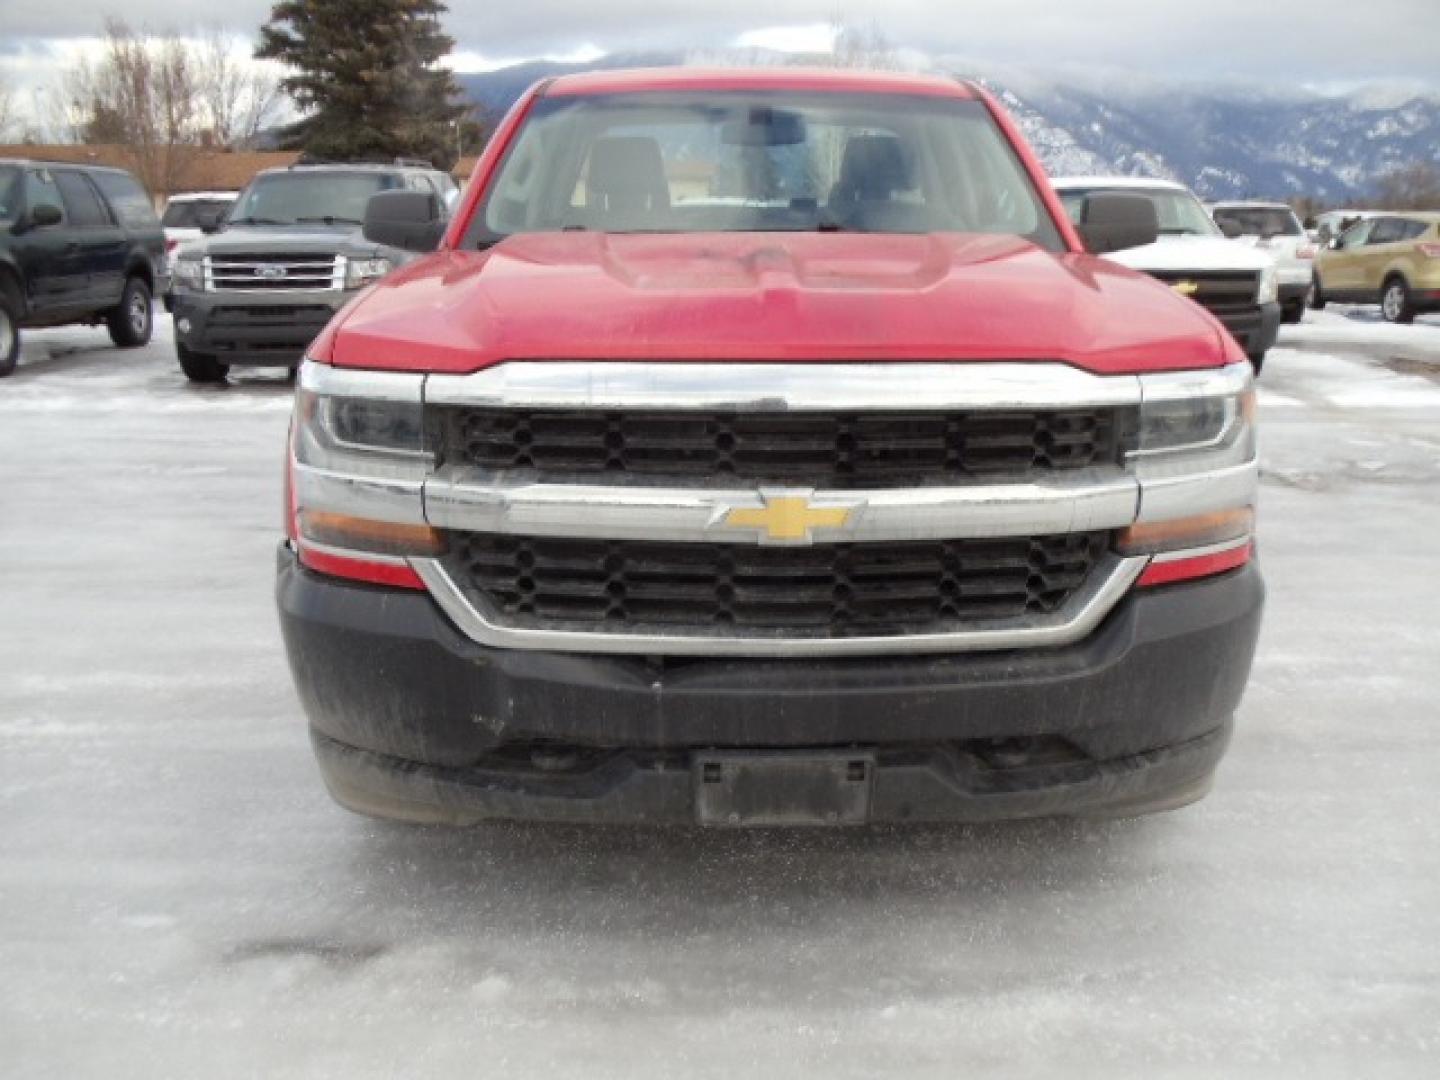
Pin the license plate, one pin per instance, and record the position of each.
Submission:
(782, 788)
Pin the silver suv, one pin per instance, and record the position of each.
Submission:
(1273, 228)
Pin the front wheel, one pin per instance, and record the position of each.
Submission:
(1316, 297)
(1293, 313)
(1395, 302)
(131, 322)
(1257, 361)
(9, 333)
(200, 368)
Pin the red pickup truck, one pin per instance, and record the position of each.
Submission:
(766, 448)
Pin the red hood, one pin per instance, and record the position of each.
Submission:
(770, 296)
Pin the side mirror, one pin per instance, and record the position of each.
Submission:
(209, 220)
(1231, 229)
(1111, 222)
(1333, 243)
(409, 220)
(44, 215)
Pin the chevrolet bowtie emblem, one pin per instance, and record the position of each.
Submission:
(1186, 288)
(787, 518)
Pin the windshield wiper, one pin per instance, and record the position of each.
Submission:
(330, 219)
(254, 221)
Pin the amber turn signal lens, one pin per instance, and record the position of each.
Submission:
(363, 534)
(1187, 532)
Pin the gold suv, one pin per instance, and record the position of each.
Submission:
(1392, 260)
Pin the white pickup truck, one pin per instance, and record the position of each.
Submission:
(1273, 228)
(1235, 282)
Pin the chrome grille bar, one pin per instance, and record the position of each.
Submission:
(280, 273)
(468, 501)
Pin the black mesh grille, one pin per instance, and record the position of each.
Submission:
(1215, 287)
(834, 590)
(1228, 295)
(833, 450)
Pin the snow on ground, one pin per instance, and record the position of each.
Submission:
(1363, 325)
(178, 897)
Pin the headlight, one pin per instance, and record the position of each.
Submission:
(360, 424)
(1194, 456)
(360, 459)
(190, 273)
(1269, 286)
(1192, 425)
(1192, 418)
(360, 272)
(332, 430)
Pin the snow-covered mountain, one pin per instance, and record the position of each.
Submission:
(1226, 142)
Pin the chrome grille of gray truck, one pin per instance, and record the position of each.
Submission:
(264, 272)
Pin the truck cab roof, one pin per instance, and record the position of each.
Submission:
(834, 80)
(1143, 183)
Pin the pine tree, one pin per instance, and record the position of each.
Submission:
(367, 74)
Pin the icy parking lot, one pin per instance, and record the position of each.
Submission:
(179, 897)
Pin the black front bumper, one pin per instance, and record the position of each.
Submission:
(412, 720)
(1292, 294)
(1255, 327)
(254, 328)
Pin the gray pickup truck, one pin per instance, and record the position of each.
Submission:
(259, 285)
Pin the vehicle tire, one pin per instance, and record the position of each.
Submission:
(9, 332)
(1317, 297)
(132, 321)
(199, 367)
(1257, 361)
(1395, 304)
(1293, 313)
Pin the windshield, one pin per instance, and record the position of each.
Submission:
(749, 162)
(311, 197)
(10, 189)
(192, 213)
(1179, 212)
(1261, 221)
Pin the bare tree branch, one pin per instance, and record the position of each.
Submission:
(1412, 187)
(240, 97)
(862, 47)
(165, 99)
(7, 110)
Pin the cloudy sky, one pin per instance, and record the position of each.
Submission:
(1313, 43)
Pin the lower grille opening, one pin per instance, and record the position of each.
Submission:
(826, 590)
(1026, 752)
(545, 757)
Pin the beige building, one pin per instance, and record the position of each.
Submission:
(200, 170)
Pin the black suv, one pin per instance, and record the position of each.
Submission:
(259, 287)
(78, 244)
